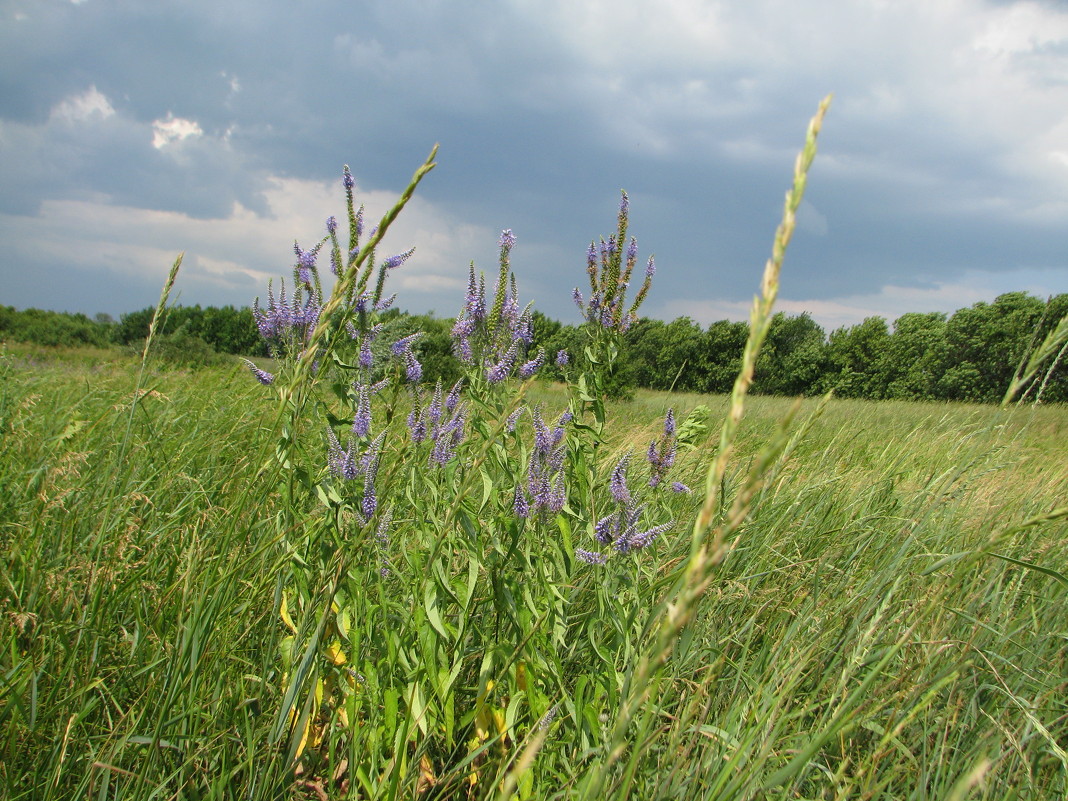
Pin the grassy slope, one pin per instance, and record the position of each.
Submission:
(860, 641)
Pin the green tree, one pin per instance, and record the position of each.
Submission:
(792, 360)
(854, 359)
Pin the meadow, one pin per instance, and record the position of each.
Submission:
(326, 579)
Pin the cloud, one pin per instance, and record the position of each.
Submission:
(945, 150)
(173, 129)
(83, 107)
(230, 259)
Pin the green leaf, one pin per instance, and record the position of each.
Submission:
(432, 614)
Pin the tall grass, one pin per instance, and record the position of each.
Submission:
(213, 589)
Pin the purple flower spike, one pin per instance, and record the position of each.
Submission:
(650, 268)
(513, 419)
(562, 358)
(678, 486)
(577, 297)
(603, 531)
(370, 501)
(531, 367)
(412, 368)
(331, 225)
(453, 398)
(393, 262)
(520, 505)
(361, 424)
(645, 538)
(618, 482)
(347, 180)
(507, 240)
(591, 558)
(669, 423)
(262, 376)
(404, 344)
(416, 423)
(498, 372)
(632, 250)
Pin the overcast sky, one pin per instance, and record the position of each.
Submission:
(132, 130)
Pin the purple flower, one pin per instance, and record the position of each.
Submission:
(519, 504)
(306, 262)
(393, 262)
(331, 225)
(347, 180)
(513, 419)
(542, 439)
(412, 368)
(603, 531)
(416, 423)
(577, 297)
(642, 540)
(678, 486)
(404, 344)
(632, 250)
(370, 459)
(562, 358)
(650, 268)
(507, 240)
(436, 406)
(385, 303)
(557, 495)
(618, 482)
(341, 462)
(531, 367)
(453, 397)
(590, 557)
(498, 372)
(261, 375)
(361, 423)
(669, 423)
(369, 502)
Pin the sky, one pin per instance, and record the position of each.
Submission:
(131, 131)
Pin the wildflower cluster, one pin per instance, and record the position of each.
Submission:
(622, 530)
(495, 339)
(610, 266)
(442, 421)
(545, 490)
(348, 464)
(661, 455)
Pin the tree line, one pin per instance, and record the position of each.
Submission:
(970, 355)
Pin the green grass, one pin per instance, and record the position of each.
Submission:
(888, 623)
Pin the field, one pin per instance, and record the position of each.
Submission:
(889, 623)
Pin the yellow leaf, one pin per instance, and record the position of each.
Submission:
(427, 779)
(284, 611)
(335, 654)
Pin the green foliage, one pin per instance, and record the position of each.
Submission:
(225, 329)
(52, 328)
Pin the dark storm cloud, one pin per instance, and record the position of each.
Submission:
(944, 153)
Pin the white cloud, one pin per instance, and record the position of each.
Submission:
(173, 129)
(89, 105)
(231, 259)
